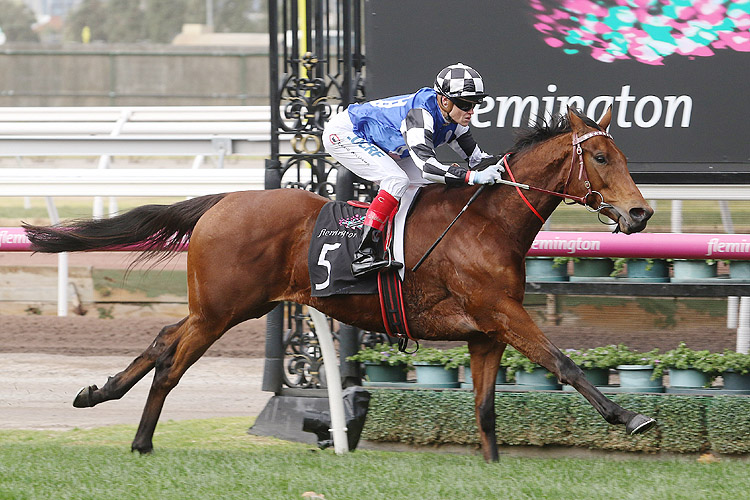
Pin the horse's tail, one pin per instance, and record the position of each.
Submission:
(156, 229)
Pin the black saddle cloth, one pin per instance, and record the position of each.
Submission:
(336, 237)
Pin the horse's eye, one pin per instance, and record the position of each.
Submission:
(600, 158)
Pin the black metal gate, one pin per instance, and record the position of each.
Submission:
(316, 69)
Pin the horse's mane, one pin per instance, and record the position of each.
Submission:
(545, 129)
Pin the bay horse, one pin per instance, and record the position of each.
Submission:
(248, 252)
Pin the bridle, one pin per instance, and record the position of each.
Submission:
(582, 175)
(578, 151)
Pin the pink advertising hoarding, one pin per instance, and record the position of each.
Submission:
(568, 244)
(642, 245)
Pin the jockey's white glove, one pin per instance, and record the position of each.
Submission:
(489, 175)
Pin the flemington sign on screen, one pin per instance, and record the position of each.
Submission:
(628, 110)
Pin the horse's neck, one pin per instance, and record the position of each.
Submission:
(546, 166)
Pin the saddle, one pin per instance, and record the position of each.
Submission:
(335, 238)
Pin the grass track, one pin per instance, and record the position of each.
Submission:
(207, 459)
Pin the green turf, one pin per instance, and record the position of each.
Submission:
(207, 459)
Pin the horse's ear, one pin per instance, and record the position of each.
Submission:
(606, 119)
(576, 122)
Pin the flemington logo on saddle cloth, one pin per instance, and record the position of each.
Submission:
(354, 222)
(352, 228)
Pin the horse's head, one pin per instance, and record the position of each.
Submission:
(607, 171)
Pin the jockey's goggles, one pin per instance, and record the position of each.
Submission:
(463, 104)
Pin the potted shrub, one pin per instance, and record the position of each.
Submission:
(691, 270)
(596, 362)
(527, 374)
(739, 270)
(646, 270)
(735, 370)
(689, 368)
(641, 372)
(592, 269)
(383, 363)
(618, 267)
(438, 367)
(545, 269)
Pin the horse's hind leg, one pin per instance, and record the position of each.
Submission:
(194, 337)
(118, 385)
(524, 335)
(486, 354)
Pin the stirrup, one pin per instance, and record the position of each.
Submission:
(375, 266)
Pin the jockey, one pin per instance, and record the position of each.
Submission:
(392, 142)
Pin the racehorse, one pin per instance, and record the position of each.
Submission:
(248, 251)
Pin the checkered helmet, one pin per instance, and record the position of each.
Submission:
(460, 81)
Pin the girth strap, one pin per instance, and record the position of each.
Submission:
(392, 307)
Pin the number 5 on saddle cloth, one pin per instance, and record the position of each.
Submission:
(336, 237)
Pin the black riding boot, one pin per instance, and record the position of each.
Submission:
(368, 258)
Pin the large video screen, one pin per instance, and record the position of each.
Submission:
(676, 73)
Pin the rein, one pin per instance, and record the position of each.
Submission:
(582, 175)
(565, 195)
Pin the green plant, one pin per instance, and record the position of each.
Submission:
(728, 424)
(106, 312)
(641, 358)
(382, 353)
(687, 424)
(684, 358)
(600, 357)
(619, 266)
(515, 361)
(561, 261)
(449, 358)
(734, 361)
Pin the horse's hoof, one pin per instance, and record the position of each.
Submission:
(85, 397)
(640, 424)
(143, 450)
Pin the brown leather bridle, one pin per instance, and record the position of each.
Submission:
(582, 175)
(578, 151)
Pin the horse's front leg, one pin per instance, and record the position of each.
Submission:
(486, 354)
(521, 332)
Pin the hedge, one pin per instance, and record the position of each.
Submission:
(685, 423)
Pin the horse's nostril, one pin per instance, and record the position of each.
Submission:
(639, 214)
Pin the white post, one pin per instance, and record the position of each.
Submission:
(726, 217)
(743, 330)
(676, 216)
(113, 207)
(198, 161)
(104, 162)
(62, 284)
(733, 304)
(97, 211)
(62, 264)
(26, 199)
(333, 376)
